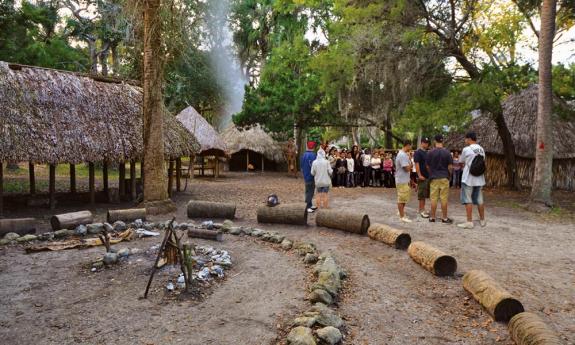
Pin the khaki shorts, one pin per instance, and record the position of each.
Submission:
(439, 190)
(403, 193)
(422, 189)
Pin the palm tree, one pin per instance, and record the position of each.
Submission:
(542, 177)
(155, 186)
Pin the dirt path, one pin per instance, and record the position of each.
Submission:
(389, 299)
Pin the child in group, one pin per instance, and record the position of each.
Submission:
(376, 169)
(350, 178)
(341, 169)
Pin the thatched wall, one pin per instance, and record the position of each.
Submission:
(209, 139)
(253, 139)
(49, 116)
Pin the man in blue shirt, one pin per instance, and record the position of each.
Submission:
(422, 175)
(305, 163)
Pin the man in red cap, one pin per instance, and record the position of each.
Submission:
(306, 161)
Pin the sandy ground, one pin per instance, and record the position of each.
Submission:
(49, 298)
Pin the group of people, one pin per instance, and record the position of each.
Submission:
(430, 171)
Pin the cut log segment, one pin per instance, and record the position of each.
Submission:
(497, 301)
(205, 234)
(432, 259)
(208, 209)
(343, 220)
(21, 226)
(71, 220)
(530, 329)
(295, 214)
(394, 237)
(126, 215)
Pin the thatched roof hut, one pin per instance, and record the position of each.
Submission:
(254, 140)
(211, 144)
(50, 116)
(520, 112)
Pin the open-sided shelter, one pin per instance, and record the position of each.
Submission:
(252, 146)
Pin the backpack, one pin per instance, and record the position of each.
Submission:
(477, 167)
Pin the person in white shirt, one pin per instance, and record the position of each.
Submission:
(366, 162)
(472, 185)
(376, 168)
(350, 170)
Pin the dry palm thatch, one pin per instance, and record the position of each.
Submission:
(209, 139)
(253, 139)
(520, 112)
(50, 116)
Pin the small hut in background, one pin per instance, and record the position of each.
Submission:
(212, 147)
(253, 148)
(53, 117)
(520, 112)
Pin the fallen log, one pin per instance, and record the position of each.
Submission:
(343, 220)
(432, 259)
(208, 209)
(205, 234)
(497, 301)
(21, 226)
(71, 220)
(295, 214)
(394, 237)
(529, 329)
(126, 215)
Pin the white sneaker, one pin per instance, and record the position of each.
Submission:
(424, 214)
(310, 210)
(466, 225)
(405, 219)
(483, 223)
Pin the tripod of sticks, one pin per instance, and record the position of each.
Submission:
(172, 250)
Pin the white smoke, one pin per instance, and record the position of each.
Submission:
(224, 61)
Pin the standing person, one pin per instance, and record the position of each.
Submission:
(402, 179)
(306, 162)
(350, 177)
(356, 155)
(388, 171)
(332, 159)
(422, 176)
(413, 174)
(376, 169)
(456, 178)
(321, 171)
(473, 180)
(291, 157)
(366, 164)
(341, 169)
(440, 165)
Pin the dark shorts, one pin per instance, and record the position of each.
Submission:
(422, 189)
(322, 189)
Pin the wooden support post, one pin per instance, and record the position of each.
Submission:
(72, 178)
(32, 178)
(247, 160)
(191, 168)
(217, 172)
(1, 189)
(133, 179)
(105, 176)
(91, 181)
(262, 163)
(52, 186)
(178, 173)
(170, 177)
(122, 178)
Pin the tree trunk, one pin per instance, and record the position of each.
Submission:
(508, 149)
(126, 215)
(71, 220)
(155, 186)
(543, 175)
(343, 220)
(103, 57)
(299, 142)
(529, 329)
(115, 59)
(294, 214)
(208, 209)
(93, 55)
(432, 259)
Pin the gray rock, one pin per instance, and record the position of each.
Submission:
(110, 258)
(227, 225)
(301, 336)
(63, 233)
(119, 226)
(329, 335)
(305, 321)
(326, 316)
(95, 228)
(135, 251)
(11, 236)
(81, 230)
(124, 252)
(4, 242)
(247, 230)
(276, 238)
(27, 238)
(183, 226)
(286, 244)
(257, 232)
(328, 275)
(322, 296)
(304, 248)
(149, 226)
(266, 236)
(236, 230)
(46, 236)
(310, 259)
(98, 264)
(138, 223)
(109, 228)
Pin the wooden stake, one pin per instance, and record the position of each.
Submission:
(52, 186)
(170, 177)
(32, 178)
(1, 189)
(91, 181)
(133, 179)
(178, 173)
(122, 178)
(72, 178)
(105, 176)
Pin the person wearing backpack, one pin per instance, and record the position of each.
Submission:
(473, 179)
